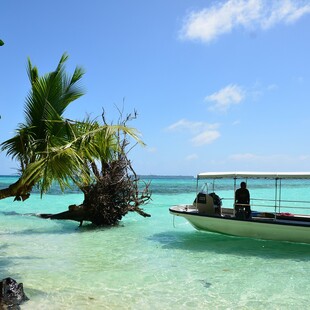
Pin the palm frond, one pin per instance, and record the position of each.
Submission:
(51, 148)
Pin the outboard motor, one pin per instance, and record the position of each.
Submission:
(204, 204)
(208, 204)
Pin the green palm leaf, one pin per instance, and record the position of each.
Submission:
(51, 148)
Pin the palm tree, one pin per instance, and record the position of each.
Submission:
(43, 128)
(46, 102)
(51, 148)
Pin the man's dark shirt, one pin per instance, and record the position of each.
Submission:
(242, 196)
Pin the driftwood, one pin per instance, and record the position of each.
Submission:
(79, 214)
(74, 213)
(116, 191)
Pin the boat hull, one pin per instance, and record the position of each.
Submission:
(279, 230)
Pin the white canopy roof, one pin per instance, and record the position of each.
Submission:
(256, 175)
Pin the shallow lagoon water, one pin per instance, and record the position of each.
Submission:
(145, 263)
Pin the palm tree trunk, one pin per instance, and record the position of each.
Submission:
(18, 190)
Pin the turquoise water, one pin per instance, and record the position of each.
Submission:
(147, 263)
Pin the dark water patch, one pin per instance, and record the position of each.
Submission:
(222, 244)
(89, 227)
(16, 258)
(205, 283)
(63, 227)
(6, 261)
(12, 213)
(34, 293)
(67, 228)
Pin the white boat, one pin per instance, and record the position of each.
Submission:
(208, 214)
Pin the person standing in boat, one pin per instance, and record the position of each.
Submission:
(242, 201)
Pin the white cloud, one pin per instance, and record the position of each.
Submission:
(272, 87)
(193, 127)
(304, 158)
(205, 137)
(151, 149)
(299, 79)
(209, 23)
(261, 162)
(286, 11)
(191, 157)
(227, 96)
(184, 124)
(243, 157)
(203, 133)
(274, 159)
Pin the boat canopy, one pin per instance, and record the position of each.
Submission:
(254, 175)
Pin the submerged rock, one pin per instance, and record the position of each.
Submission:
(11, 294)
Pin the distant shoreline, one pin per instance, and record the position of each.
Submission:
(144, 176)
(9, 175)
(154, 176)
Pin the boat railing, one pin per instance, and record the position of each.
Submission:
(277, 205)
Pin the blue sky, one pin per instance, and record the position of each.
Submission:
(218, 85)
